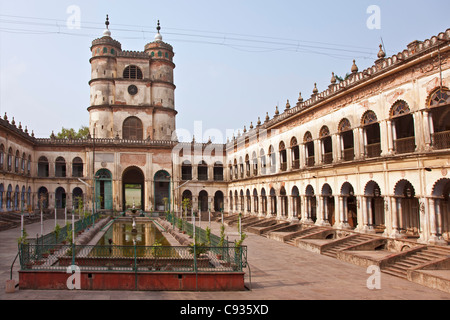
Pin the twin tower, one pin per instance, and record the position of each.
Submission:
(132, 92)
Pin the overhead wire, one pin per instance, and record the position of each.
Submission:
(241, 42)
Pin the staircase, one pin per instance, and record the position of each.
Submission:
(332, 251)
(304, 233)
(400, 268)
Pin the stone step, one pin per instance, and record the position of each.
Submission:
(394, 273)
(396, 269)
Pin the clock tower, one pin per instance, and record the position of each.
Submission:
(132, 92)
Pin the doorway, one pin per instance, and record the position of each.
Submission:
(162, 191)
(133, 182)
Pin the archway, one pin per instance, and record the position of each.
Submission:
(103, 190)
(60, 198)
(375, 206)
(408, 208)
(42, 198)
(349, 205)
(441, 208)
(162, 191)
(203, 201)
(328, 204)
(218, 201)
(311, 204)
(77, 198)
(133, 182)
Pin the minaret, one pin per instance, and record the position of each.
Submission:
(163, 88)
(103, 72)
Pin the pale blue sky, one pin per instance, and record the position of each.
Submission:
(236, 60)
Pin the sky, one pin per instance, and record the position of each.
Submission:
(235, 60)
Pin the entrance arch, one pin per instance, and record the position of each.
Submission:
(133, 182)
(162, 191)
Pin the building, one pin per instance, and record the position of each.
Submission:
(371, 153)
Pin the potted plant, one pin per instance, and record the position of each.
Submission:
(221, 241)
(200, 248)
(23, 238)
(57, 232)
(208, 236)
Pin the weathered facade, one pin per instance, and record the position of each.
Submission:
(370, 153)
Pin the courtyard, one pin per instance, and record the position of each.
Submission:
(277, 271)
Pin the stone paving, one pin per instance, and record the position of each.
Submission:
(278, 272)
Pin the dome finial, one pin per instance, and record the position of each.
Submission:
(354, 67)
(381, 53)
(158, 36)
(107, 33)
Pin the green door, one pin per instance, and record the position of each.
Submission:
(103, 190)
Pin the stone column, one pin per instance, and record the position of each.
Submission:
(390, 137)
(362, 142)
(370, 222)
(260, 206)
(427, 130)
(302, 155)
(395, 204)
(435, 222)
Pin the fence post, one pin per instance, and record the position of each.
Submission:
(73, 252)
(135, 266)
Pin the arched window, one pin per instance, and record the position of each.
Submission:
(16, 162)
(43, 167)
(202, 171)
(283, 156)
(346, 141)
(60, 167)
(440, 113)
(10, 159)
(218, 171)
(371, 127)
(186, 171)
(2, 156)
(326, 144)
(403, 127)
(132, 72)
(309, 149)
(254, 163)
(295, 153)
(77, 167)
(132, 129)
(247, 165)
(272, 159)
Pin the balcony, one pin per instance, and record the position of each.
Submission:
(441, 140)
(348, 154)
(296, 164)
(310, 161)
(327, 158)
(373, 150)
(405, 145)
(283, 166)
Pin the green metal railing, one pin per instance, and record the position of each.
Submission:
(133, 258)
(200, 234)
(52, 238)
